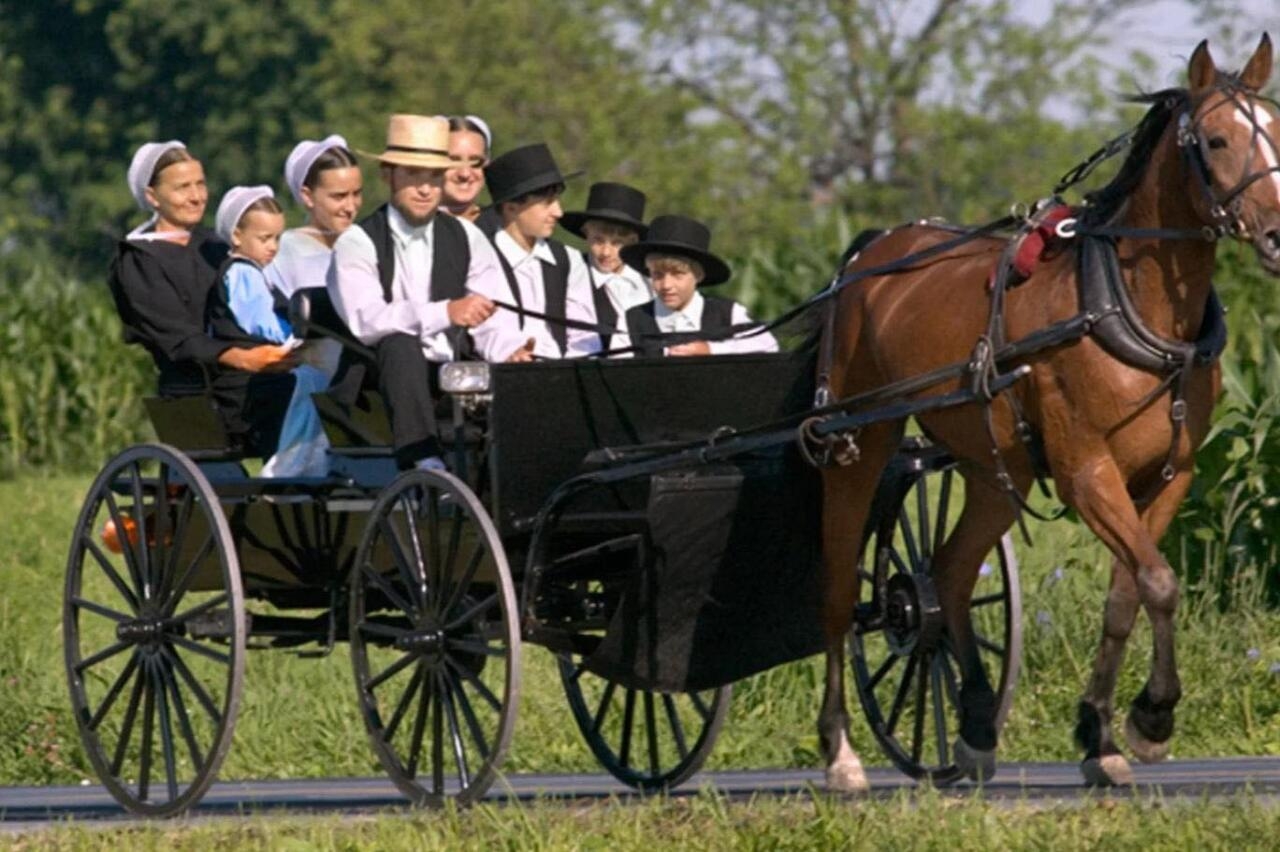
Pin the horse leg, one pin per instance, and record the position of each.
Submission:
(1150, 722)
(1139, 574)
(847, 493)
(987, 514)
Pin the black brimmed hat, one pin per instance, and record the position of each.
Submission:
(616, 203)
(521, 171)
(678, 236)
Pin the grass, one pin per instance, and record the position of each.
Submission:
(299, 717)
(706, 822)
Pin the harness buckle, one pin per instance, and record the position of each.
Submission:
(1066, 228)
(1178, 411)
(822, 396)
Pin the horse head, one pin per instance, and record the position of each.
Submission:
(1230, 134)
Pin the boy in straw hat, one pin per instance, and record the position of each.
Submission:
(542, 276)
(614, 219)
(405, 281)
(677, 255)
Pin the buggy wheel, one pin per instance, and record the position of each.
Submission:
(647, 740)
(905, 669)
(154, 630)
(434, 639)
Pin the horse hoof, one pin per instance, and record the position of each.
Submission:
(1144, 749)
(848, 778)
(975, 764)
(1110, 770)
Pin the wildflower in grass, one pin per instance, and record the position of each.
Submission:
(1275, 669)
(1044, 619)
(1253, 654)
(985, 570)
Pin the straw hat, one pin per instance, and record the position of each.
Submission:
(416, 140)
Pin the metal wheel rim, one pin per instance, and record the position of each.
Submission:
(158, 672)
(439, 702)
(943, 673)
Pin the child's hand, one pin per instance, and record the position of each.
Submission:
(470, 311)
(697, 347)
(523, 355)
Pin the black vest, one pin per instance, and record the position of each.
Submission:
(222, 321)
(555, 282)
(450, 262)
(642, 322)
(605, 314)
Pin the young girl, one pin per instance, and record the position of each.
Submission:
(679, 262)
(251, 221)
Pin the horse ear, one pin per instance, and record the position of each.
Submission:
(1201, 72)
(1258, 70)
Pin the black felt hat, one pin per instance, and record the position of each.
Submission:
(521, 171)
(678, 236)
(609, 202)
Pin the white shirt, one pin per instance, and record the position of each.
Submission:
(625, 290)
(303, 261)
(507, 331)
(356, 289)
(689, 318)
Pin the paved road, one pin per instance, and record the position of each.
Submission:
(26, 807)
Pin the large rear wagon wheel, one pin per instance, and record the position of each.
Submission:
(434, 639)
(647, 740)
(154, 630)
(906, 672)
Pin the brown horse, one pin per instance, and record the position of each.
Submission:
(1202, 161)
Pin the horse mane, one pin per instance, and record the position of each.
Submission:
(1103, 204)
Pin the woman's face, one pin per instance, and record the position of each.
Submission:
(464, 181)
(334, 203)
(179, 195)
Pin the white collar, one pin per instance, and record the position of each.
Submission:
(403, 231)
(691, 311)
(601, 278)
(516, 255)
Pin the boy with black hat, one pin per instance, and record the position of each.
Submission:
(543, 277)
(613, 220)
(405, 280)
(677, 256)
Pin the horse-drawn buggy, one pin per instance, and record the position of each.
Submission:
(677, 525)
(660, 537)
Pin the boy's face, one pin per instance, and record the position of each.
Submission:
(336, 199)
(258, 236)
(415, 191)
(604, 245)
(536, 217)
(673, 283)
(464, 181)
(180, 195)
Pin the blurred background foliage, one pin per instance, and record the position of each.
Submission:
(788, 126)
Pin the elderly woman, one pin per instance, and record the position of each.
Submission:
(161, 279)
(324, 178)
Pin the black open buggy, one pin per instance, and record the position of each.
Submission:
(652, 523)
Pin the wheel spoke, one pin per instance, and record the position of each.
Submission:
(602, 709)
(402, 706)
(384, 586)
(651, 722)
(126, 545)
(99, 609)
(908, 539)
(677, 729)
(419, 727)
(922, 695)
(184, 718)
(144, 551)
(922, 517)
(988, 645)
(402, 561)
(126, 725)
(197, 648)
(390, 671)
(882, 671)
(437, 740)
(185, 510)
(472, 612)
(987, 600)
(166, 729)
(386, 631)
(455, 730)
(112, 574)
(469, 714)
(480, 686)
(415, 540)
(628, 720)
(197, 688)
(900, 699)
(109, 700)
(437, 545)
(148, 735)
(937, 664)
(160, 505)
(896, 559)
(701, 705)
(472, 647)
(201, 608)
(188, 574)
(953, 687)
(456, 593)
(944, 505)
(102, 656)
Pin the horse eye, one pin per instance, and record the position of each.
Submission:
(1217, 142)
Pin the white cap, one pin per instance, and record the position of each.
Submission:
(303, 157)
(484, 131)
(143, 167)
(233, 205)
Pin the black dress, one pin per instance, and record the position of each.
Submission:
(162, 292)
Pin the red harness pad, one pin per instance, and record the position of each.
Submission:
(1036, 245)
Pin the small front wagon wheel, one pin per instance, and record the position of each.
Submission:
(647, 740)
(154, 630)
(434, 639)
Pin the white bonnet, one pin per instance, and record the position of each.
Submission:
(233, 205)
(303, 157)
(143, 166)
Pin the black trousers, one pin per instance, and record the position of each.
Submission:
(410, 385)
